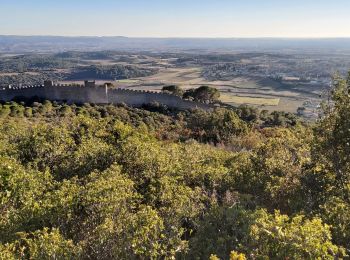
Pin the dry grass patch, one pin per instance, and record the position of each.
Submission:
(227, 98)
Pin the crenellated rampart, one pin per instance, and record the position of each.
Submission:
(89, 93)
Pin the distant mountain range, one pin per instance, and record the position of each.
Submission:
(22, 44)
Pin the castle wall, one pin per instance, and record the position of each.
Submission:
(25, 92)
(99, 95)
(139, 98)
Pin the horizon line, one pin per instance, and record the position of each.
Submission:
(179, 37)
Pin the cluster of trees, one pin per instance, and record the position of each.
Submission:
(215, 127)
(83, 55)
(111, 72)
(204, 94)
(30, 78)
(31, 69)
(33, 62)
(104, 182)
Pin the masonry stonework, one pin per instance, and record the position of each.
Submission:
(91, 93)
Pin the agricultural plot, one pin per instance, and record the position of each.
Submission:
(265, 94)
(128, 81)
(151, 72)
(246, 100)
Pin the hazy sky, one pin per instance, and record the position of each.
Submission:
(177, 18)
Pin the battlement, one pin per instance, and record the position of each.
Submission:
(48, 83)
(92, 93)
(89, 84)
(10, 87)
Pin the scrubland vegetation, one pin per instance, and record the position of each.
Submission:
(106, 182)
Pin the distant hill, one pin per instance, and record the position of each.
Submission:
(61, 43)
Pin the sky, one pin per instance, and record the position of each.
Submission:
(177, 18)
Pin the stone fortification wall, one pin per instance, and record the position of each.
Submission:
(65, 93)
(80, 94)
(138, 98)
(8, 94)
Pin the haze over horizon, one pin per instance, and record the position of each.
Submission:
(177, 19)
(183, 37)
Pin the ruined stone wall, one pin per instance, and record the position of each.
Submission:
(80, 94)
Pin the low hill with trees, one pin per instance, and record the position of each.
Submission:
(110, 72)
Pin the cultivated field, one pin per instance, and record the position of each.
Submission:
(236, 99)
(265, 94)
(245, 89)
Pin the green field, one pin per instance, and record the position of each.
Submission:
(128, 81)
(230, 98)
